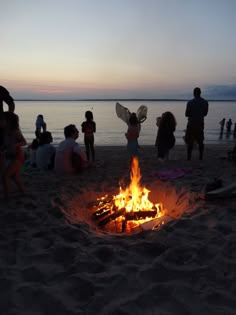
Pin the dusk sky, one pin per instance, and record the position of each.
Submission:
(76, 49)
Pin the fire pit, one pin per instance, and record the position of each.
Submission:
(127, 210)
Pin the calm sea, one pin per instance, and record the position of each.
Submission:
(110, 129)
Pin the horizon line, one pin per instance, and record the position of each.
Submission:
(120, 99)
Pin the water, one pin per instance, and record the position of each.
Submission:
(110, 129)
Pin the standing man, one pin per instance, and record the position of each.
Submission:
(196, 110)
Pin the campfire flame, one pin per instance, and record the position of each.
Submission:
(130, 208)
(134, 198)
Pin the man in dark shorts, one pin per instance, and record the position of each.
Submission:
(4, 97)
(196, 110)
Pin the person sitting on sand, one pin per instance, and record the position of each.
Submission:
(13, 141)
(88, 128)
(32, 149)
(165, 139)
(70, 158)
(45, 153)
(40, 125)
(132, 135)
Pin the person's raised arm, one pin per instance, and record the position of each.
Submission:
(7, 98)
(11, 106)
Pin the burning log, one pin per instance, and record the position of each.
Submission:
(100, 213)
(99, 202)
(131, 204)
(138, 215)
(111, 217)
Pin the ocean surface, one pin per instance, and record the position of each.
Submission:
(110, 129)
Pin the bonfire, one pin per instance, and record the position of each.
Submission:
(129, 208)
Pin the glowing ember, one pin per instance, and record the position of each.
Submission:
(130, 207)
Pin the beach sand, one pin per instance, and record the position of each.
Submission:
(55, 260)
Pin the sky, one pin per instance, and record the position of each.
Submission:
(78, 49)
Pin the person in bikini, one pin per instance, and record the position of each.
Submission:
(5, 97)
(14, 157)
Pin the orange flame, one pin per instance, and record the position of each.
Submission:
(135, 198)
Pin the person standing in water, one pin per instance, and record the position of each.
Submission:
(222, 125)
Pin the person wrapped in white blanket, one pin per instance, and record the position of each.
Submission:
(70, 158)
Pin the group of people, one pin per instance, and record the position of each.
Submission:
(228, 125)
(68, 157)
(196, 110)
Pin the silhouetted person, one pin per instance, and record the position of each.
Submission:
(7, 98)
(222, 124)
(196, 110)
(13, 143)
(40, 125)
(89, 128)
(165, 139)
(229, 125)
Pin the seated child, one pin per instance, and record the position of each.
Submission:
(32, 152)
(45, 153)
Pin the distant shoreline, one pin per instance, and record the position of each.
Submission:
(120, 100)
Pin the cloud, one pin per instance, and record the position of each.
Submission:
(52, 91)
(221, 92)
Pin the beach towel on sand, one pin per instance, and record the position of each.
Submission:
(171, 174)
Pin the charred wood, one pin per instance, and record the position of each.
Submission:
(138, 215)
(111, 217)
